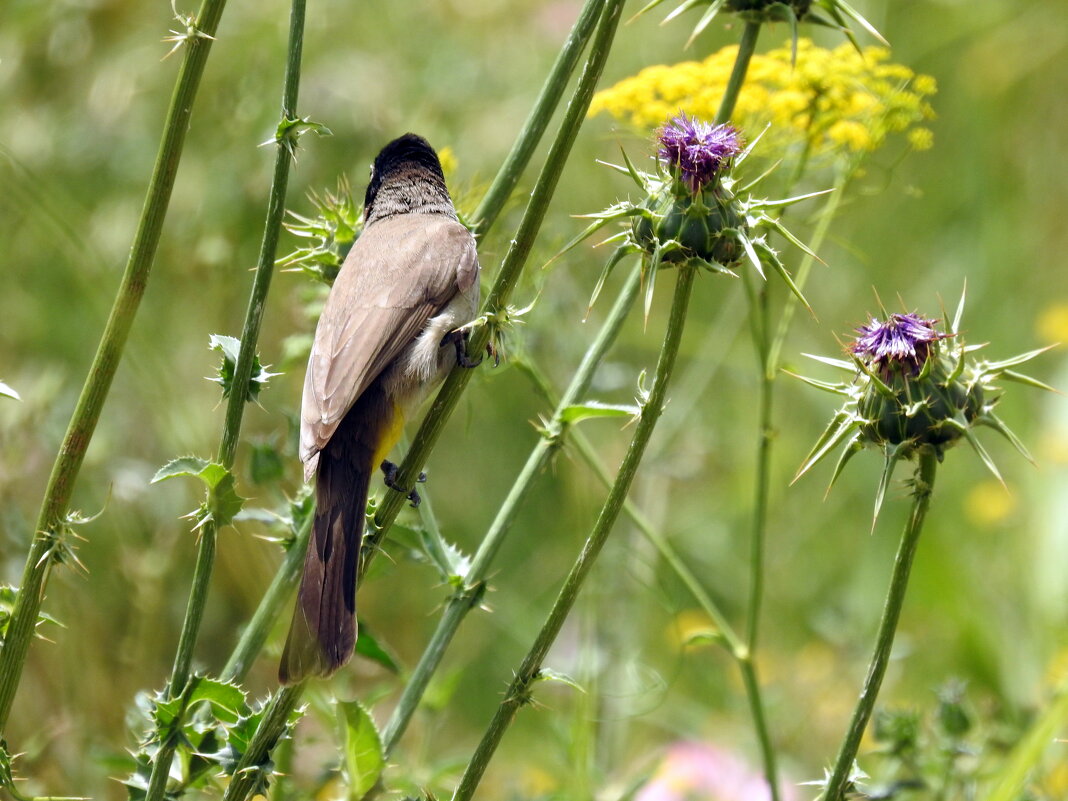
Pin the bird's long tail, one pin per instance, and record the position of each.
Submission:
(323, 632)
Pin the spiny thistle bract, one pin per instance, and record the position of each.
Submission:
(692, 211)
(835, 14)
(914, 387)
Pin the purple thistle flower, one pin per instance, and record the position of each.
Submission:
(903, 339)
(699, 150)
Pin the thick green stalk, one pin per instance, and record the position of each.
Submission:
(537, 121)
(521, 687)
(255, 765)
(511, 268)
(48, 534)
(552, 440)
(198, 594)
(923, 483)
(746, 48)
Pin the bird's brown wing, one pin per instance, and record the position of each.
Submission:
(400, 273)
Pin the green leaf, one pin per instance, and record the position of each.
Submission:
(223, 502)
(185, 466)
(8, 596)
(8, 392)
(362, 749)
(230, 348)
(547, 674)
(368, 647)
(227, 701)
(593, 409)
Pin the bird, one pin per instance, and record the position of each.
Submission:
(391, 329)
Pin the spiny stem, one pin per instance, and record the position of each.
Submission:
(922, 485)
(511, 268)
(254, 764)
(552, 440)
(236, 404)
(758, 531)
(106, 361)
(521, 687)
(538, 120)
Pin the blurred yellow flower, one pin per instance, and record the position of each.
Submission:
(686, 629)
(833, 102)
(989, 503)
(1052, 324)
(448, 161)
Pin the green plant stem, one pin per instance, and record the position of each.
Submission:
(744, 656)
(758, 531)
(734, 645)
(236, 403)
(552, 440)
(495, 306)
(922, 485)
(537, 121)
(255, 765)
(50, 522)
(521, 687)
(270, 606)
(746, 48)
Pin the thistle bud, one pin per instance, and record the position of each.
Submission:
(927, 402)
(913, 387)
(694, 209)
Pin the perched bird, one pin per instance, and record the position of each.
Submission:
(388, 333)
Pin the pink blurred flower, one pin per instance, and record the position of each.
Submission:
(692, 771)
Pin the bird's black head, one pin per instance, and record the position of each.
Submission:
(406, 177)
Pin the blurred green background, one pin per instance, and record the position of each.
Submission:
(84, 91)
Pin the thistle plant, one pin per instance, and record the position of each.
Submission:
(914, 392)
(914, 387)
(694, 211)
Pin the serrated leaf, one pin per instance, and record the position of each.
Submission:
(368, 647)
(223, 502)
(227, 701)
(230, 348)
(595, 409)
(182, 466)
(361, 747)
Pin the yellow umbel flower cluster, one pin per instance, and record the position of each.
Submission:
(832, 102)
